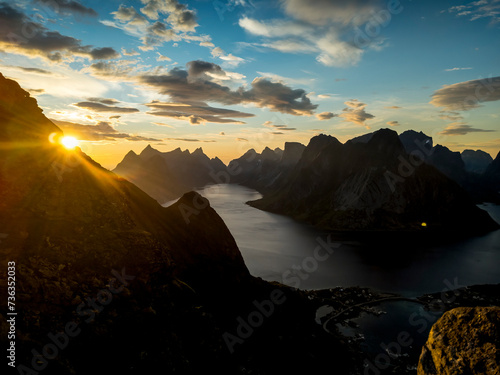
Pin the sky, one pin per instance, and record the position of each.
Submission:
(230, 75)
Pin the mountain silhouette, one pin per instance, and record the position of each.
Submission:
(166, 176)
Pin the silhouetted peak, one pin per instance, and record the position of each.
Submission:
(198, 151)
(149, 152)
(268, 154)
(386, 141)
(194, 200)
(476, 161)
(250, 152)
(321, 141)
(413, 140)
(130, 154)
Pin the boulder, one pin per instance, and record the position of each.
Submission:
(465, 340)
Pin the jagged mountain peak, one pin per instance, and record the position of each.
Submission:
(198, 151)
(149, 152)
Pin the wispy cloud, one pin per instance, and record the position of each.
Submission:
(67, 7)
(467, 95)
(101, 131)
(455, 69)
(326, 115)
(393, 123)
(475, 10)
(190, 140)
(325, 28)
(462, 129)
(98, 106)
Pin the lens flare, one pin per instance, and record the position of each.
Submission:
(69, 142)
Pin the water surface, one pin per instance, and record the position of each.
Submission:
(278, 248)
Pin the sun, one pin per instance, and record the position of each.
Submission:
(69, 142)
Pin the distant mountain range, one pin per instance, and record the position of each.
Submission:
(167, 175)
(380, 181)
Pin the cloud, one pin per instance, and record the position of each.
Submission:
(242, 139)
(323, 12)
(104, 53)
(467, 95)
(178, 14)
(196, 114)
(198, 84)
(99, 107)
(190, 140)
(103, 100)
(355, 112)
(325, 115)
(393, 123)
(478, 9)
(163, 124)
(131, 52)
(102, 131)
(115, 70)
(67, 7)
(296, 81)
(35, 92)
(37, 71)
(455, 69)
(269, 124)
(229, 59)
(393, 107)
(162, 58)
(327, 28)
(462, 129)
(19, 34)
(164, 21)
(450, 115)
(222, 133)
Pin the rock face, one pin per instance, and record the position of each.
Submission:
(371, 184)
(476, 161)
(167, 175)
(465, 340)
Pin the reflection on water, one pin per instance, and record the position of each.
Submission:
(273, 246)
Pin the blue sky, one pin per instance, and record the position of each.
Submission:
(229, 75)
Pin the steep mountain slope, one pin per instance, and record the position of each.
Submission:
(167, 175)
(372, 184)
(142, 288)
